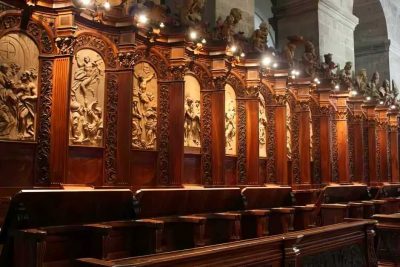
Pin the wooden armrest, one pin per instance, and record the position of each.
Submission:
(31, 233)
(256, 212)
(355, 204)
(334, 206)
(367, 202)
(282, 210)
(183, 219)
(304, 208)
(133, 223)
(379, 201)
(222, 215)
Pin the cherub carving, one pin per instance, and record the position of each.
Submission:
(346, 77)
(226, 30)
(362, 82)
(309, 59)
(260, 37)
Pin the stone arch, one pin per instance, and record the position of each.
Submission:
(371, 40)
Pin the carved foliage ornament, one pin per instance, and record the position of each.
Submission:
(163, 164)
(162, 69)
(206, 157)
(44, 134)
(65, 45)
(111, 130)
(242, 147)
(41, 36)
(97, 44)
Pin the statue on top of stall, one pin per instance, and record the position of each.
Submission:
(346, 77)
(361, 82)
(259, 38)
(192, 12)
(226, 29)
(309, 59)
(372, 86)
(328, 66)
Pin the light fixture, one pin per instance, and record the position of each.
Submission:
(107, 5)
(162, 25)
(393, 106)
(85, 2)
(368, 98)
(203, 41)
(266, 61)
(233, 48)
(353, 92)
(193, 35)
(142, 19)
(381, 102)
(242, 54)
(337, 87)
(275, 65)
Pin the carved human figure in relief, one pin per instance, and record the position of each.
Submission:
(144, 110)
(230, 129)
(192, 122)
(262, 124)
(260, 37)
(87, 77)
(346, 76)
(309, 59)
(93, 126)
(8, 101)
(27, 95)
(288, 134)
(362, 82)
(76, 119)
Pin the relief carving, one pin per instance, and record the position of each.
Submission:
(192, 112)
(18, 87)
(262, 127)
(206, 155)
(87, 99)
(242, 147)
(144, 107)
(110, 161)
(230, 120)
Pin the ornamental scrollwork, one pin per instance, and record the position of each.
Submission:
(163, 145)
(65, 45)
(206, 135)
(242, 147)
(97, 44)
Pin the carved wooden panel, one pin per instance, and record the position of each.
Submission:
(262, 127)
(87, 99)
(144, 107)
(192, 125)
(19, 64)
(230, 120)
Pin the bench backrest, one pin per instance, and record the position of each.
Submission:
(267, 197)
(185, 201)
(392, 190)
(345, 193)
(39, 208)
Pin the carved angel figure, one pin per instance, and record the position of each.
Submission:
(260, 37)
(309, 59)
(288, 53)
(8, 101)
(230, 129)
(345, 76)
(226, 30)
(328, 66)
(192, 122)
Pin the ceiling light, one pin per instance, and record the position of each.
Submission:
(193, 35)
(107, 5)
(266, 61)
(143, 19)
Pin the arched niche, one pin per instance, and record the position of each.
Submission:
(262, 127)
(144, 107)
(87, 99)
(19, 64)
(192, 112)
(288, 131)
(230, 121)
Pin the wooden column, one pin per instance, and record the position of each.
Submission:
(340, 135)
(371, 125)
(394, 145)
(325, 158)
(356, 140)
(60, 118)
(301, 169)
(382, 143)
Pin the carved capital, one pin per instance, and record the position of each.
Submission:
(252, 91)
(341, 115)
(280, 99)
(219, 82)
(177, 72)
(127, 60)
(65, 45)
(304, 106)
(325, 110)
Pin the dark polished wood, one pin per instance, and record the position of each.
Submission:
(388, 239)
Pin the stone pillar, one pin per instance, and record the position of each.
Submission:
(394, 145)
(329, 24)
(340, 145)
(371, 129)
(301, 164)
(325, 137)
(382, 143)
(356, 140)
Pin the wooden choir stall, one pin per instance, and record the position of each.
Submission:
(149, 140)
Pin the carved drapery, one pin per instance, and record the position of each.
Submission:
(110, 158)
(44, 128)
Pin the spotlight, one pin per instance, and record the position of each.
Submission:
(233, 48)
(107, 5)
(381, 102)
(162, 25)
(337, 87)
(143, 19)
(242, 54)
(368, 98)
(203, 41)
(393, 106)
(266, 61)
(316, 80)
(193, 35)
(353, 92)
(275, 65)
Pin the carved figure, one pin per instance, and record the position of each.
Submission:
(191, 12)
(260, 37)
(372, 87)
(192, 122)
(262, 124)
(309, 59)
(76, 120)
(362, 82)
(144, 111)
(393, 94)
(8, 101)
(288, 135)
(288, 53)
(87, 77)
(225, 30)
(345, 76)
(230, 128)
(328, 66)
(93, 125)
(27, 95)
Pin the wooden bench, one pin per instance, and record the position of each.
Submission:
(340, 201)
(193, 216)
(342, 245)
(279, 201)
(390, 193)
(388, 239)
(54, 227)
